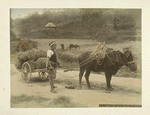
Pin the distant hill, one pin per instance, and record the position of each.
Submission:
(99, 24)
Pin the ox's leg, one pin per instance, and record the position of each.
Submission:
(87, 74)
(82, 70)
(108, 79)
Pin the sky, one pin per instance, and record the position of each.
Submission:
(21, 13)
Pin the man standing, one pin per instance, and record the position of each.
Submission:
(62, 46)
(52, 63)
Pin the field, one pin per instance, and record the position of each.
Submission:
(89, 45)
(36, 93)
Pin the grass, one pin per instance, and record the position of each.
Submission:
(65, 102)
(125, 72)
(67, 56)
(66, 42)
(25, 98)
(60, 101)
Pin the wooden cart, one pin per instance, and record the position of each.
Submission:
(26, 72)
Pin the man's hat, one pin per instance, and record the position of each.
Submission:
(52, 43)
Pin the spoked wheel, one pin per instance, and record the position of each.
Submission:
(26, 72)
(43, 75)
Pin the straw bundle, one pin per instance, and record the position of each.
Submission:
(32, 64)
(28, 56)
(35, 54)
(23, 56)
(20, 59)
(18, 64)
(41, 63)
(99, 51)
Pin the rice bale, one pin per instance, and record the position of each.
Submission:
(41, 63)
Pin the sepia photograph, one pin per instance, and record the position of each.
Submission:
(75, 57)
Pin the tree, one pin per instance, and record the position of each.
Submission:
(13, 36)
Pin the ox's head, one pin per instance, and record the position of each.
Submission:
(129, 59)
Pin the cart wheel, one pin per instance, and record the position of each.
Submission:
(26, 72)
(43, 75)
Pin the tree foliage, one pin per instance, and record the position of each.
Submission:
(13, 36)
(24, 45)
(76, 23)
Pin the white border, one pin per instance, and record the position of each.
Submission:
(5, 54)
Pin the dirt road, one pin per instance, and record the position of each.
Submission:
(126, 90)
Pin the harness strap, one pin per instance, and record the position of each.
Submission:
(117, 56)
(111, 62)
(117, 60)
(124, 60)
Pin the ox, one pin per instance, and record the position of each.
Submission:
(73, 46)
(112, 62)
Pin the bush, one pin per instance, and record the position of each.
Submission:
(34, 43)
(125, 72)
(13, 36)
(67, 57)
(24, 45)
(14, 46)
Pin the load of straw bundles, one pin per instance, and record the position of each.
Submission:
(41, 63)
(28, 55)
(20, 59)
(35, 54)
(99, 51)
(32, 64)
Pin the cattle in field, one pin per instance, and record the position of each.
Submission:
(73, 46)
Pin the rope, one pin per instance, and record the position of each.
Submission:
(101, 62)
(68, 76)
(86, 62)
(115, 60)
(74, 75)
(125, 61)
(98, 53)
(112, 62)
